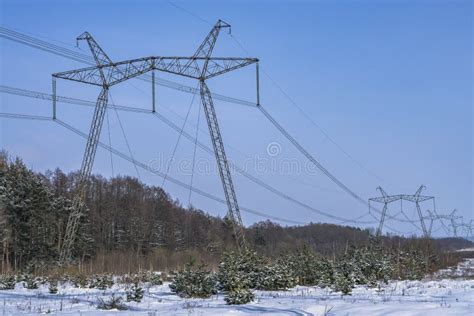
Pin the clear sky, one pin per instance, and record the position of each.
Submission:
(390, 82)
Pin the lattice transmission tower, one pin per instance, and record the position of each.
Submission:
(417, 198)
(452, 217)
(105, 74)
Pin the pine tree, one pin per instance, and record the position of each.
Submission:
(30, 282)
(101, 281)
(135, 293)
(53, 286)
(326, 273)
(242, 269)
(7, 282)
(239, 296)
(343, 280)
(194, 282)
(31, 218)
(276, 276)
(304, 265)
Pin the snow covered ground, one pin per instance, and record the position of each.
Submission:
(438, 295)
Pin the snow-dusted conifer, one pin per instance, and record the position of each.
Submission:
(194, 282)
(135, 293)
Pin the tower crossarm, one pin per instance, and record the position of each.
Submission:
(386, 199)
(413, 198)
(121, 71)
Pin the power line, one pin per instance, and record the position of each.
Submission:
(83, 58)
(177, 141)
(189, 12)
(194, 154)
(124, 136)
(171, 179)
(65, 52)
(292, 101)
(110, 142)
(77, 56)
(148, 168)
(26, 117)
(193, 140)
(287, 135)
(75, 101)
(303, 112)
(310, 157)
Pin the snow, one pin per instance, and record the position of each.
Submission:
(448, 292)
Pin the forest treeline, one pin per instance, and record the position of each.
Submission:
(130, 226)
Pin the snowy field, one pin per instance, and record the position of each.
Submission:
(445, 293)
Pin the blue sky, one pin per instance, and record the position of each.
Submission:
(389, 81)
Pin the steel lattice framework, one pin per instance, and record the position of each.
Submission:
(452, 217)
(416, 198)
(200, 66)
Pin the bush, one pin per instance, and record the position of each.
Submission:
(194, 282)
(240, 270)
(274, 277)
(112, 303)
(79, 280)
(101, 282)
(53, 286)
(30, 282)
(343, 280)
(239, 296)
(7, 282)
(135, 293)
(154, 278)
(304, 266)
(326, 273)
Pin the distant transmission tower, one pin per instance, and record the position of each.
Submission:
(468, 228)
(417, 198)
(431, 217)
(200, 66)
(386, 200)
(452, 217)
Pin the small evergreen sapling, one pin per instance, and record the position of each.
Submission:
(135, 293)
(30, 282)
(274, 277)
(237, 274)
(193, 281)
(326, 271)
(344, 280)
(304, 266)
(53, 286)
(7, 282)
(155, 278)
(80, 281)
(115, 302)
(239, 268)
(239, 296)
(101, 282)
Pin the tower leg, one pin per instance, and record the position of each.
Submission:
(224, 171)
(86, 167)
(382, 219)
(422, 221)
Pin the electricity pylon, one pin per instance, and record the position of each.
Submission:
(417, 198)
(452, 218)
(385, 199)
(431, 217)
(468, 228)
(200, 66)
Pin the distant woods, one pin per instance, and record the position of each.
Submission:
(131, 226)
